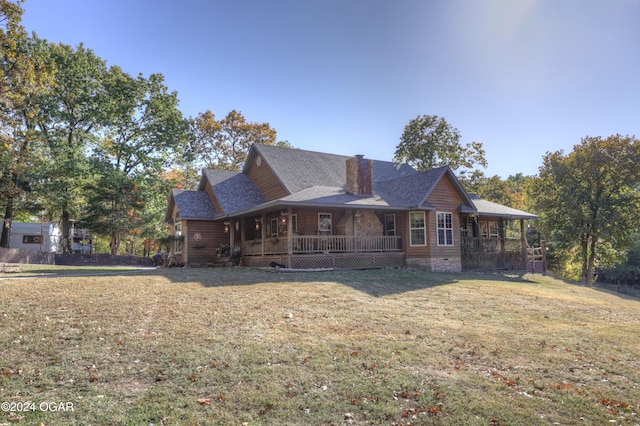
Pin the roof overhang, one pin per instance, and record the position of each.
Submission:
(282, 204)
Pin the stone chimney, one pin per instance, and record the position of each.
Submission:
(359, 176)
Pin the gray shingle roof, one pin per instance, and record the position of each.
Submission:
(214, 177)
(489, 208)
(316, 178)
(237, 193)
(411, 190)
(299, 169)
(328, 195)
(194, 205)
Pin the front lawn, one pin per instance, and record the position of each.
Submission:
(235, 346)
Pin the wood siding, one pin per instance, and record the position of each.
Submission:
(203, 250)
(308, 220)
(404, 229)
(446, 198)
(266, 181)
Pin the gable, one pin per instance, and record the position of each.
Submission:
(267, 182)
(445, 195)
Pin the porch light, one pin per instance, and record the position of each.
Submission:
(226, 226)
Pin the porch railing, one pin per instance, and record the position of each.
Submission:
(307, 244)
(492, 253)
(488, 245)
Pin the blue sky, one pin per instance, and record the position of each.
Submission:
(523, 77)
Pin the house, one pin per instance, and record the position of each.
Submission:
(47, 237)
(306, 209)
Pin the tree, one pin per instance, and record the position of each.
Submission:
(428, 141)
(141, 133)
(225, 144)
(24, 74)
(510, 192)
(69, 117)
(590, 196)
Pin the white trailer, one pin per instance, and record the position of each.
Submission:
(47, 237)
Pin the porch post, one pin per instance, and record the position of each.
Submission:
(232, 232)
(263, 232)
(242, 235)
(502, 234)
(289, 236)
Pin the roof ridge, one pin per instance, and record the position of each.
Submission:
(258, 145)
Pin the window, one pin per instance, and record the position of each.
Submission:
(390, 224)
(274, 228)
(418, 230)
(324, 223)
(493, 229)
(294, 222)
(31, 239)
(445, 229)
(177, 248)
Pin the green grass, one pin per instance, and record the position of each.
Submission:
(234, 346)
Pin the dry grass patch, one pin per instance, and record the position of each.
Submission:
(234, 346)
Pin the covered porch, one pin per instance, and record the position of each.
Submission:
(318, 238)
(494, 237)
(489, 243)
(335, 251)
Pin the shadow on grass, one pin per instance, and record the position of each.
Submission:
(375, 282)
(29, 271)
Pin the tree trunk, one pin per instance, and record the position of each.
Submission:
(67, 238)
(592, 259)
(584, 254)
(115, 242)
(5, 239)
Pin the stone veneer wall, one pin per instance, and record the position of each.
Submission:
(437, 264)
(446, 264)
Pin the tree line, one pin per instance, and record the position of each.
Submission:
(83, 140)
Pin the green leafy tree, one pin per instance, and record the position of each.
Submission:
(590, 196)
(509, 192)
(142, 131)
(224, 144)
(24, 74)
(114, 203)
(429, 141)
(70, 116)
